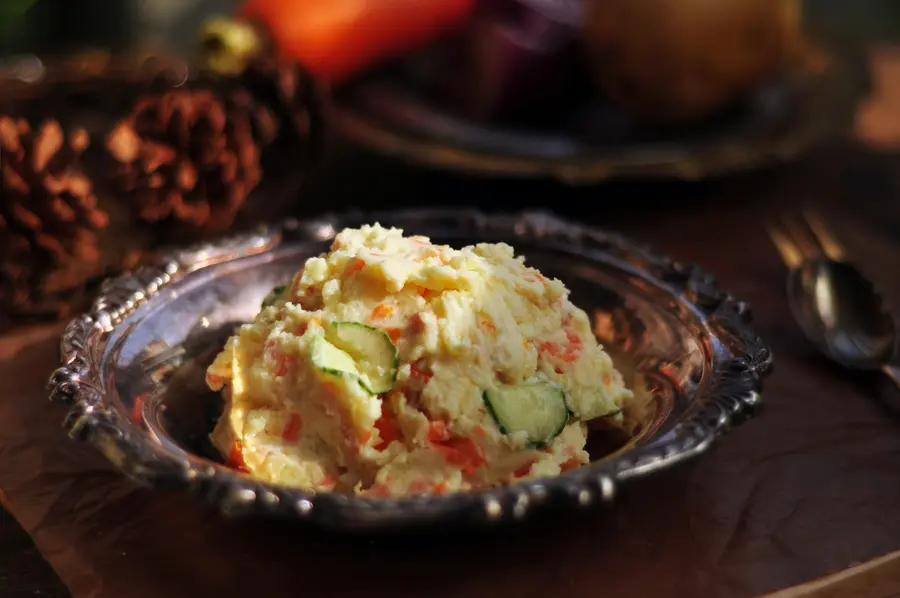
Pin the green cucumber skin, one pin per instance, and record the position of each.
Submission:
(531, 444)
(373, 391)
(273, 296)
(337, 373)
(322, 367)
(485, 397)
(382, 335)
(386, 340)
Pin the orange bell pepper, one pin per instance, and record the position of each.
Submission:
(334, 39)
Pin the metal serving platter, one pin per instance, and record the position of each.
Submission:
(779, 121)
(133, 367)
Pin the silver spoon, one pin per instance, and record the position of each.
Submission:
(838, 308)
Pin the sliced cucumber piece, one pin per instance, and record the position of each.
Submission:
(372, 351)
(537, 408)
(331, 360)
(273, 296)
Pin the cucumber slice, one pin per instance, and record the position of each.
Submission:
(371, 350)
(331, 360)
(537, 408)
(273, 296)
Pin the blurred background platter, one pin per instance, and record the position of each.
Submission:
(386, 112)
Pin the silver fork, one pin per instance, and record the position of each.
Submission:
(837, 307)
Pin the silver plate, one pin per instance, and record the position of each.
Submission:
(133, 367)
(776, 122)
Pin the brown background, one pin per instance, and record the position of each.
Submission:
(808, 488)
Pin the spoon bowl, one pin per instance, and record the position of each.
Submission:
(841, 312)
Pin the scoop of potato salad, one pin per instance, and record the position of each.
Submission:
(391, 366)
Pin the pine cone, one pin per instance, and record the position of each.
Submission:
(191, 157)
(291, 93)
(49, 218)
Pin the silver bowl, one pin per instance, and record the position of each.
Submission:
(133, 368)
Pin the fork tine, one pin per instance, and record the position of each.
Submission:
(829, 243)
(790, 253)
(803, 238)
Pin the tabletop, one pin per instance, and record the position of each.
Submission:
(807, 489)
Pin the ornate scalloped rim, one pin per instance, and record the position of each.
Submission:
(733, 396)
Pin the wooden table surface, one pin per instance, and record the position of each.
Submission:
(808, 489)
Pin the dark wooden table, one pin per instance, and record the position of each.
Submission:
(716, 223)
(23, 572)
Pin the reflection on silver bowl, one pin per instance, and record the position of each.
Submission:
(133, 367)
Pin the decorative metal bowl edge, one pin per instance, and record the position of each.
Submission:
(734, 395)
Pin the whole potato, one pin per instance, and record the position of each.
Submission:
(673, 62)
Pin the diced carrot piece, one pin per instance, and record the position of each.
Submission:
(548, 347)
(395, 334)
(573, 348)
(292, 428)
(440, 488)
(355, 265)
(137, 410)
(462, 452)
(284, 365)
(419, 486)
(465, 453)
(215, 381)
(437, 431)
(416, 323)
(488, 326)
(380, 490)
(382, 311)
(570, 464)
(422, 374)
(236, 457)
(568, 353)
(388, 430)
(536, 277)
(523, 470)
(295, 286)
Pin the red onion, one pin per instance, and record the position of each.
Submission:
(517, 55)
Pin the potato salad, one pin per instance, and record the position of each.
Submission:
(391, 366)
